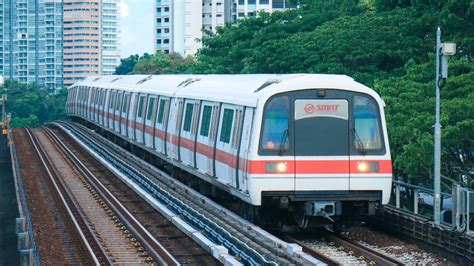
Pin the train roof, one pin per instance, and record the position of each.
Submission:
(242, 89)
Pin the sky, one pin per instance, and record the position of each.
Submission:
(137, 27)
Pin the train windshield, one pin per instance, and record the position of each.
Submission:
(275, 125)
(366, 124)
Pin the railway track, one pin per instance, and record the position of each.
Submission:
(246, 242)
(179, 245)
(107, 232)
(356, 252)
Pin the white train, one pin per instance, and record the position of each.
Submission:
(302, 146)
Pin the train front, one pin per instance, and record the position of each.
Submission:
(323, 155)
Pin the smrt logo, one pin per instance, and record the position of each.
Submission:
(309, 108)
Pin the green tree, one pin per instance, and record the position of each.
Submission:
(161, 63)
(410, 116)
(32, 105)
(127, 64)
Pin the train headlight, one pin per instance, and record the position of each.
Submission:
(276, 167)
(368, 167)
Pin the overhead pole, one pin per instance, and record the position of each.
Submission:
(437, 136)
(443, 51)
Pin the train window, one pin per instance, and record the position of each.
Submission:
(141, 103)
(275, 124)
(366, 124)
(117, 104)
(111, 100)
(195, 118)
(151, 107)
(126, 99)
(161, 111)
(102, 98)
(188, 117)
(226, 128)
(206, 121)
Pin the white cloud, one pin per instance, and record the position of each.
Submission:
(124, 11)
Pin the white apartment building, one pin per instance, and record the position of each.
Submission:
(179, 24)
(250, 8)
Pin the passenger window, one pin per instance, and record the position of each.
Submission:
(188, 117)
(126, 99)
(161, 111)
(275, 124)
(117, 104)
(227, 125)
(206, 121)
(141, 103)
(111, 100)
(151, 106)
(366, 124)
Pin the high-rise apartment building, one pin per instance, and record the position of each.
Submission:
(31, 41)
(91, 38)
(250, 8)
(179, 24)
(58, 42)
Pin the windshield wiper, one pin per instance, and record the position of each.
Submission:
(282, 149)
(360, 145)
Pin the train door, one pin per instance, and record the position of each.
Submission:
(321, 141)
(117, 113)
(188, 132)
(81, 101)
(206, 137)
(124, 115)
(226, 150)
(111, 109)
(90, 112)
(161, 125)
(102, 107)
(243, 153)
(150, 121)
(175, 128)
(132, 110)
(105, 111)
(95, 106)
(140, 117)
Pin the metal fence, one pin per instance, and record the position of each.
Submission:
(457, 208)
(26, 242)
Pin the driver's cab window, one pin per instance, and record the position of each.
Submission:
(276, 115)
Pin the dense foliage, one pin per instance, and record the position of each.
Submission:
(386, 44)
(32, 105)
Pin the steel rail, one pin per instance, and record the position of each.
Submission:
(73, 214)
(363, 252)
(306, 248)
(157, 251)
(209, 228)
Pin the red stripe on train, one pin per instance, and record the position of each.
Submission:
(259, 166)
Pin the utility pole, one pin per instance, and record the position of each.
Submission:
(437, 137)
(443, 51)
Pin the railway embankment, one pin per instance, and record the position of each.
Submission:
(9, 254)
